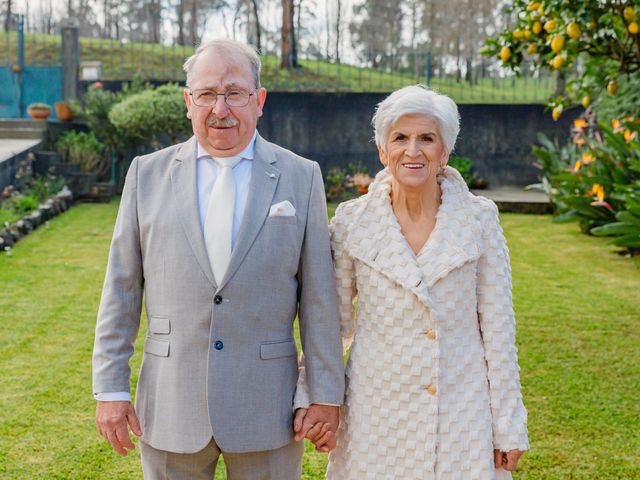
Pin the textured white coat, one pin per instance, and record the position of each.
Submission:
(432, 378)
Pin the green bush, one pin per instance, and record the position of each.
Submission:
(86, 150)
(610, 107)
(462, 165)
(595, 179)
(153, 116)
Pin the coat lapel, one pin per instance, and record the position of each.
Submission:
(185, 192)
(264, 180)
(456, 238)
(377, 240)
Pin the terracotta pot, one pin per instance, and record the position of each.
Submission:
(63, 111)
(38, 114)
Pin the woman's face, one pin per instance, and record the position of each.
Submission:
(414, 152)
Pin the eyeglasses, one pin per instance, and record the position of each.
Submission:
(208, 98)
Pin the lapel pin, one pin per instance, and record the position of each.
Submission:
(271, 175)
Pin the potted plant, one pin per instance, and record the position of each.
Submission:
(39, 111)
(63, 111)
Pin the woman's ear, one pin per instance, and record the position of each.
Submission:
(382, 155)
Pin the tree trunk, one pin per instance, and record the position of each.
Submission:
(288, 43)
(256, 18)
(181, 38)
(193, 23)
(561, 84)
(328, 30)
(338, 8)
(7, 19)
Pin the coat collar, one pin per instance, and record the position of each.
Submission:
(264, 180)
(376, 239)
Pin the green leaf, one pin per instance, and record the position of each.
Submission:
(628, 217)
(615, 229)
(631, 241)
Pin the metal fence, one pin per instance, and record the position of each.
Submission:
(117, 60)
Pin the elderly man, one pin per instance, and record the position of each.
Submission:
(226, 235)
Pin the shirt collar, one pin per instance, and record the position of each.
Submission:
(247, 153)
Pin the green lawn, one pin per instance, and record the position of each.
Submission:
(123, 61)
(578, 311)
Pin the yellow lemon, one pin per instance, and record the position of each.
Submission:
(586, 101)
(556, 112)
(612, 87)
(533, 6)
(505, 54)
(633, 28)
(629, 14)
(527, 34)
(556, 62)
(532, 49)
(536, 28)
(518, 34)
(557, 43)
(541, 9)
(573, 30)
(550, 25)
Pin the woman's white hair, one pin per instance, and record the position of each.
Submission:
(417, 100)
(226, 47)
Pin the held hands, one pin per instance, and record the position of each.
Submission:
(319, 424)
(112, 419)
(507, 460)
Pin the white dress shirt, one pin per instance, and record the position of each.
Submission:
(207, 170)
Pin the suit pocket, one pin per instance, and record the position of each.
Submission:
(272, 350)
(159, 325)
(156, 347)
(281, 220)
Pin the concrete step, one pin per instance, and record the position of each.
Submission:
(22, 123)
(21, 133)
(518, 200)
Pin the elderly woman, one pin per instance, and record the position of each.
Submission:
(433, 386)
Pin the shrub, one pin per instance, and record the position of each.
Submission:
(462, 165)
(86, 150)
(595, 179)
(153, 116)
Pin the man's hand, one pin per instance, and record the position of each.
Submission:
(507, 460)
(318, 423)
(112, 419)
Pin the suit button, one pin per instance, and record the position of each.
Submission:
(217, 299)
(218, 345)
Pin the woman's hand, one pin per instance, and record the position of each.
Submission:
(507, 460)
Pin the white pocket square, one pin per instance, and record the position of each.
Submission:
(282, 209)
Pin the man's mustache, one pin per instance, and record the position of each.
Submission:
(221, 122)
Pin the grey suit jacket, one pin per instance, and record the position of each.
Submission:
(219, 359)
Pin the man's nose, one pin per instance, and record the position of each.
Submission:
(220, 109)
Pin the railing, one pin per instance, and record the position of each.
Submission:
(127, 60)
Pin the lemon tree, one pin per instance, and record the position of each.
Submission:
(595, 42)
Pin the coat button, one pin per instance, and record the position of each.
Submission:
(431, 334)
(217, 299)
(218, 345)
(431, 389)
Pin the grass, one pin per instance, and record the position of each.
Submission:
(124, 61)
(578, 316)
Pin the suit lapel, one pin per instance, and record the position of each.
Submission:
(185, 192)
(264, 180)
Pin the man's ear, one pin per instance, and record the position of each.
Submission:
(187, 102)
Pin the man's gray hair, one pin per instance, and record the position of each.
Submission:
(226, 47)
(417, 100)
